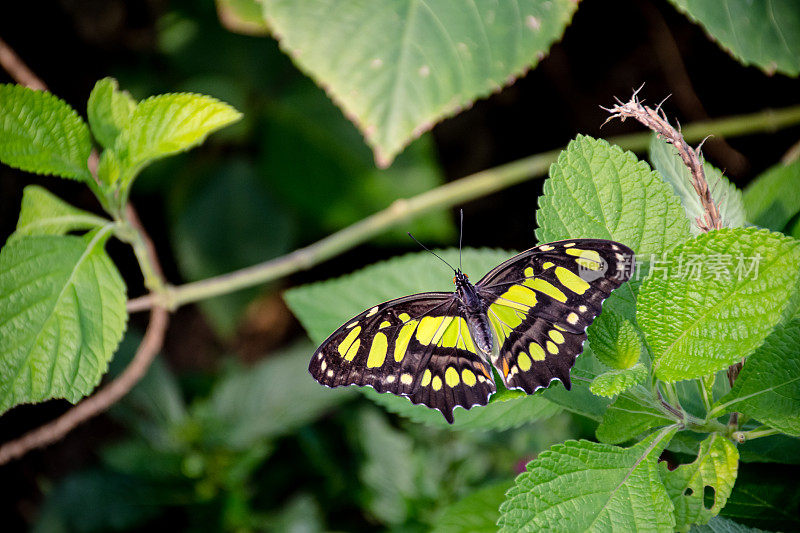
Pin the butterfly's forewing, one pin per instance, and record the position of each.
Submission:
(541, 301)
(416, 346)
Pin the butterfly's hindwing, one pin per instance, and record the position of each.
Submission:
(415, 346)
(542, 301)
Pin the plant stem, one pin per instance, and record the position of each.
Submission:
(704, 394)
(762, 431)
(443, 197)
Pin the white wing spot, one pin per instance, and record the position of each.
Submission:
(372, 311)
(330, 373)
(390, 379)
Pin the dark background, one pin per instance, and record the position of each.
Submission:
(611, 47)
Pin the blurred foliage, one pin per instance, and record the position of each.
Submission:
(264, 449)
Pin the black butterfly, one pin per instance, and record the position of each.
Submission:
(527, 317)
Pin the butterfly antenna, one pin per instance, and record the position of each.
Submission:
(431, 251)
(460, 237)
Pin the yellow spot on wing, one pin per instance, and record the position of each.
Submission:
(404, 317)
(426, 378)
(529, 272)
(547, 265)
(571, 280)
(436, 383)
(451, 377)
(377, 352)
(431, 328)
(524, 361)
(546, 287)
(403, 338)
(384, 324)
(551, 347)
(582, 309)
(457, 335)
(344, 346)
(537, 353)
(518, 297)
(572, 318)
(406, 379)
(591, 255)
(557, 336)
(351, 324)
(468, 377)
(353, 350)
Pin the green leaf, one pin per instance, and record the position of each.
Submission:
(507, 409)
(316, 160)
(62, 303)
(413, 63)
(768, 387)
(773, 198)
(765, 496)
(109, 169)
(41, 133)
(728, 198)
(764, 34)
(629, 417)
(476, 513)
(716, 467)
(167, 124)
(614, 382)
(614, 340)
(719, 524)
(213, 216)
(269, 399)
(598, 190)
(43, 213)
(719, 310)
(586, 486)
(109, 111)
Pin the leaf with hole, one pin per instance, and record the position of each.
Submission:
(62, 303)
(699, 490)
(41, 133)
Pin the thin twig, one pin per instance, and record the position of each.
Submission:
(145, 353)
(451, 194)
(94, 405)
(656, 120)
(11, 63)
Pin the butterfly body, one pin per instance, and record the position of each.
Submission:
(527, 318)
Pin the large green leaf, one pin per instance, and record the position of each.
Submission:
(476, 513)
(316, 160)
(728, 198)
(614, 340)
(598, 190)
(43, 213)
(761, 33)
(718, 311)
(773, 198)
(768, 387)
(167, 124)
(586, 486)
(62, 315)
(109, 111)
(629, 417)
(214, 214)
(41, 133)
(272, 398)
(716, 467)
(396, 67)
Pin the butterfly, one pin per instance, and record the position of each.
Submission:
(527, 318)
